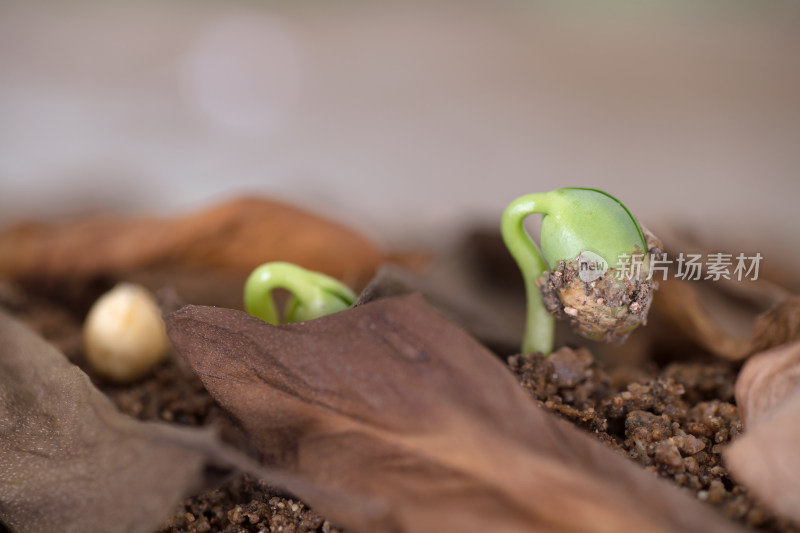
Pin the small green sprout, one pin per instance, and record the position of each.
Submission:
(312, 294)
(588, 238)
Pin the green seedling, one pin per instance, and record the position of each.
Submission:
(312, 294)
(587, 239)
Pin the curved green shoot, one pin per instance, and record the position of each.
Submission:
(312, 294)
(539, 325)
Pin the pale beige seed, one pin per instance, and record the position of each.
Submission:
(124, 336)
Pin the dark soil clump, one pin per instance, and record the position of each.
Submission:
(245, 505)
(674, 422)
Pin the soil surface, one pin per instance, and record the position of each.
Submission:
(673, 420)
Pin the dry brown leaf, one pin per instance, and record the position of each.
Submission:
(680, 303)
(766, 458)
(222, 244)
(766, 380)
(391, 403)
(729, 318)
(70, 462)
(779, 325)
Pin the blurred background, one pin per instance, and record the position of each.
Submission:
(404, 120)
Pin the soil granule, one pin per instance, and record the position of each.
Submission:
(674, 421)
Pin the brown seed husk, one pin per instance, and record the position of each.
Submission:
(604, 309)
(608, 308)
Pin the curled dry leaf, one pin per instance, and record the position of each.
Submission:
(70, 462)
(766, 381)
(766, 458)
(224, 242)
(391, 403)
(779, 325)
(730, 318)
(682, 305)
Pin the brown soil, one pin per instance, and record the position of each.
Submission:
(674, 421)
